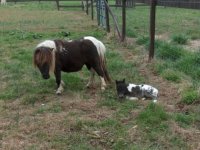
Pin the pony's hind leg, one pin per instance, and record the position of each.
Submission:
(100, 72)
(91, 80)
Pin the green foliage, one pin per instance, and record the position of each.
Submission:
(168, 51)
(153, 117)
(190, 96)
(178, 142)
(180, 39)
(142, 40)
(184, 120)
(130, 33)
(189, 65)
(120, 144)
(171, 75)
(110, 122)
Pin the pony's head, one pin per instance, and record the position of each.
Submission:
(121, 87)
(44, 59)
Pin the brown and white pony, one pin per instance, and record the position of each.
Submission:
(70, 56)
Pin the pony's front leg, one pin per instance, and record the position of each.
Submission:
(60, 83)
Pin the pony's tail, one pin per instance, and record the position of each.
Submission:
(101, 52)
(101, 49)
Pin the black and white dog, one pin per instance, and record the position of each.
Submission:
(135, 92)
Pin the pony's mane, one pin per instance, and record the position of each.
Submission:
(42, 55)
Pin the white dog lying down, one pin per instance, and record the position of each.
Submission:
(134, 92)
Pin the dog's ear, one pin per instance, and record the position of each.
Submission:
(123, 80)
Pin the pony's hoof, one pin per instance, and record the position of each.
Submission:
(103, 88)
(58, 92)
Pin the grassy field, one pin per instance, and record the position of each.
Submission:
(32, 117)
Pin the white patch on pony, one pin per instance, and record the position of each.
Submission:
(101, 49)
(103, 83)
(60, 88)
(47, 43)
(3, 2)
(130, 86)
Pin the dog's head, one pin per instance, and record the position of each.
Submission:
(121, 87)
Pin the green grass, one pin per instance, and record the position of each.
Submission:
(168, 51)
(190, 96)
(180, 39)
(168, 20)
(153, 117)
(171, 75)
(184, 120)
(91, 119)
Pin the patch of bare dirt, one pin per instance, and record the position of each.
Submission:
(164, 37)
(193, 45)
(190, 135)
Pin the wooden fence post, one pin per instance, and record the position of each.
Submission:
(92, 10)
(107, 18)
(123, 20)
(98, 11)
(57, 3)
(152, 29)
(87, 7)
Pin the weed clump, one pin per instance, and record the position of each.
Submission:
(190, 97)
(152, 117)
(171, 75)
(168, 51)
(180, 39)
